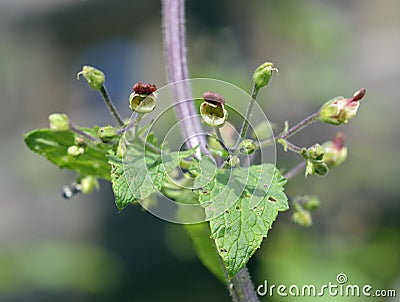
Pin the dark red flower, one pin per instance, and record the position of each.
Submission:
(213, 98)
(142, 88)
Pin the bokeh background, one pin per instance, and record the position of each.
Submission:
(83, 250)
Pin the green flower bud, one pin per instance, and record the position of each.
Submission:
(107, 134)
(247, 146)
(75, 151)
(340, 110)
(314, 160)
(80, 141)
(94, 77)
(316, 167)
(212, 110)
(311, 203)
(335, 151)
(121, 148)
(233, 161)
(88, 184)
(59, 121)
(302, 218)
(314, 153)
(263, 74)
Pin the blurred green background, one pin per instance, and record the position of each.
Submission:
(83, 250)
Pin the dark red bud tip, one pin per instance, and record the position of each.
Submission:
(141, 88)
(338, 140)
(213, 97)
(358, 95)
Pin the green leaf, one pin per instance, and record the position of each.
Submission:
(142, 172)
(241, 205)
(122, 193)
(54, 145)
(199, 233)
(205, 248)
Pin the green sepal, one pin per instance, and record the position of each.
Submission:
(94, 77)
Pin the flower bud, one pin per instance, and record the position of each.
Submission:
(340, 110)
(314, 153)
(75, 151)
(143, 99)
(80, 141)
(314, 160)
(316, 167)
(94, 77)
(233, 161)
(335, 151)
(106, 134)
(212, 110)
(88, 184)
(311, 203)
(263, 74)
(247, 146)
(121, 149)
(59, 122)
(302, 218)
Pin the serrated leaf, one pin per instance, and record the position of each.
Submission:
(142, 172)
(242, 205)
(54, 145)
(123, 195)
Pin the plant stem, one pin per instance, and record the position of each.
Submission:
(293, 147)
(295, 170)
(220, 139)
(299, 126)
(175, 53)
(243, 287)
(177, 70)
(249, 112)
(293, 130)
(137, 123)
(80, 132)
(149, 146)
(111, 107)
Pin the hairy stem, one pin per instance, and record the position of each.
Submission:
(243, 287)
(111, 107)
(175, 54)
(80, 132)
(293, 147)
(295, 170)
(293, 130)
(249, 112)
(177, 70)
(299, 126)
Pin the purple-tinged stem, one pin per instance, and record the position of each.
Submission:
(175, 55)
